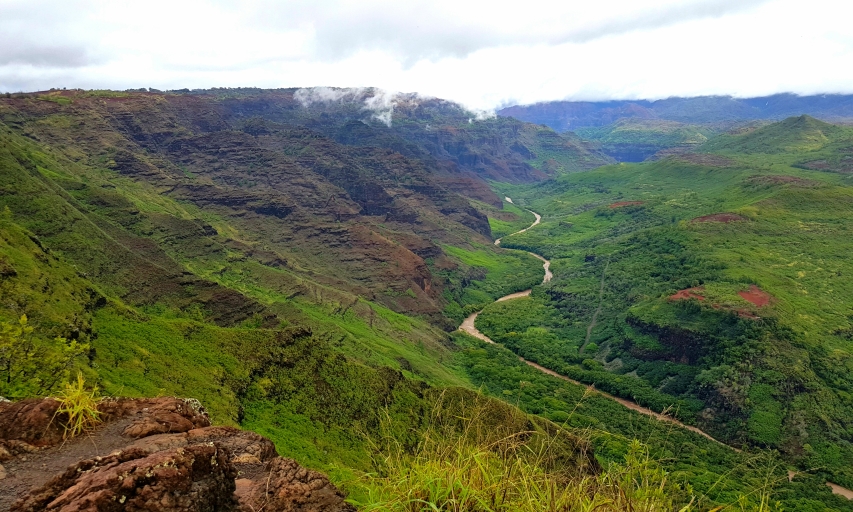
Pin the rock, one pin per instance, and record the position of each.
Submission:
(162, 423)
(2, 472)
(31, 421)
(164, 410)
(156, 415)
(195, 478)
(178, 462)
(288, 487)
(239, 446)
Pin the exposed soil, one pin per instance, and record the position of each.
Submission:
(841, 491)
(844, 166)
(720, 217)
(687, 294)
(756, 296)
(620, 204)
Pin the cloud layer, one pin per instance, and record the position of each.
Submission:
(483, 54)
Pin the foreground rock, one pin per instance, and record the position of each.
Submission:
(150, 454)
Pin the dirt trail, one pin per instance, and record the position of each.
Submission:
(841, 491)
(469, 328)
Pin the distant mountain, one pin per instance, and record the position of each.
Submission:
(572, 115)
(636, 139)
(803, 133)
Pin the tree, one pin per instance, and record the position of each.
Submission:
(31, 365)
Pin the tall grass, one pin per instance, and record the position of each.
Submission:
(470, 463)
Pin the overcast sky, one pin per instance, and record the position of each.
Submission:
(483, 54)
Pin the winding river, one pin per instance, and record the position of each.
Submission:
(469, 328)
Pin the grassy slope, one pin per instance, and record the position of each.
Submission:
(641, 138)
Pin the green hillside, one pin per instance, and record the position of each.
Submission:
(754, 349)
(299, 267)
(633, 140)
(793, 135)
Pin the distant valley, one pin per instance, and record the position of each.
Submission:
(300, 261)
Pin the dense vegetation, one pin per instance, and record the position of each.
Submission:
(753, 349)
(296, 262)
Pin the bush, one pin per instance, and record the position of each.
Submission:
(30, 365)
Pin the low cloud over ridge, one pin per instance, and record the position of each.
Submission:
(481, 54)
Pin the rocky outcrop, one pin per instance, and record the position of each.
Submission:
(149, 454)
(198, 478)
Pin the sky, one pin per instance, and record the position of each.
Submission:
(483, 54)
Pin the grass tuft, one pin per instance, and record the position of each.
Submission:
(81, 406)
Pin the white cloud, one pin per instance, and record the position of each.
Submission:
(483, 54)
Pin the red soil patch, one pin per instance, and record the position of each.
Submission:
(620, 204)
(756, 296)
(689, 293)
(720, 217)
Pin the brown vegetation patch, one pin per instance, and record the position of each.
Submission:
(620, 204)
(778, 179)
(687, 294)
(705, 159)
(741, 312)
(756, 296)
(725, 218)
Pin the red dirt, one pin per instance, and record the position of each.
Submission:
(756, 296)
(620, 204)
(719, 217)
(689, 293)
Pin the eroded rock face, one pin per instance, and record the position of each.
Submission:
(170, 459)
(28, 423)
(290, 487)
(195, 478)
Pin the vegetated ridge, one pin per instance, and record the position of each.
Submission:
(633, 131)
(298, 259)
